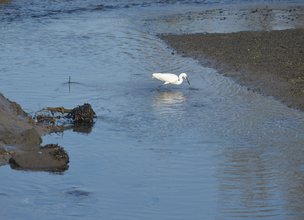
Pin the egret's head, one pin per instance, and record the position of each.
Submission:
(184, 76)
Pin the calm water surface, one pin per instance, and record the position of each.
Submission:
(213, 150)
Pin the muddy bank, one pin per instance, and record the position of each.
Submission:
(16, 127)
(271, 62)
(20, 135)
(20, 142)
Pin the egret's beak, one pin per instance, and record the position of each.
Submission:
(187, 80)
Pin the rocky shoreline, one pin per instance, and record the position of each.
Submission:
(20, 135)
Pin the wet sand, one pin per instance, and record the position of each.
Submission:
(269, 62)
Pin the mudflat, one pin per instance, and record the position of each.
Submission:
(269, 62)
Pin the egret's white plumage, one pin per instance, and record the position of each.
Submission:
(168, 78)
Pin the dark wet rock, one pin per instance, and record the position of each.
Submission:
(51, 158)
(45, 119)
(82, 114)
(30, 137)
(82, 128)
(80, 119)
(16, 126)
(4, 157)
(57, 152)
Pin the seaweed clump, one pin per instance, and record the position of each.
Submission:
(83, 114)
(80, 118)
(57, 152)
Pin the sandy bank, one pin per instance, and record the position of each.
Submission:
(271, 62)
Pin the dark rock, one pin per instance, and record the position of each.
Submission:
(82, 114)
(51, 158)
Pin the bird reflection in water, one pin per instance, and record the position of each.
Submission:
(169, 101)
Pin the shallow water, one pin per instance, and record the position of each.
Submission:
(213, 150)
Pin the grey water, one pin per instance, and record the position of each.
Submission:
(212, 150)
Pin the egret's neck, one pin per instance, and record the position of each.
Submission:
(180, 80)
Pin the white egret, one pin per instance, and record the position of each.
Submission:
(168, 78)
